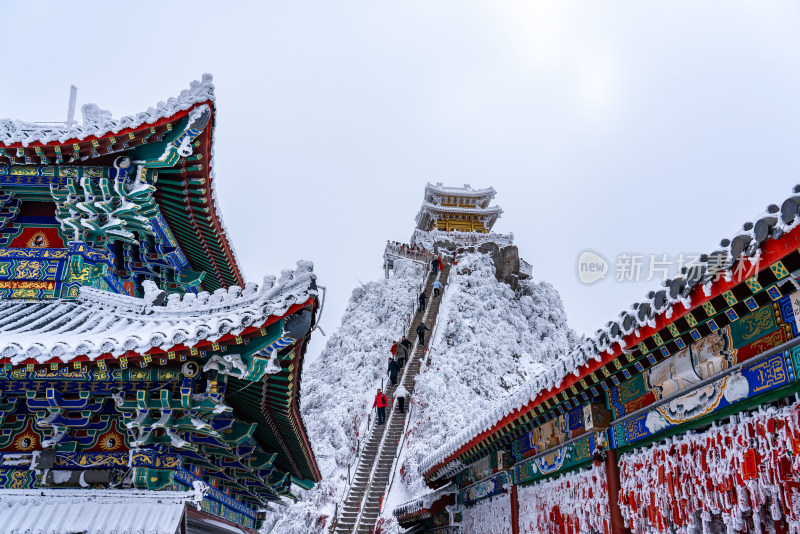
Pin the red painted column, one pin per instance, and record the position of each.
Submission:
(612, 475)
(514, 510)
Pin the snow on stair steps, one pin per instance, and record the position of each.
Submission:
(377, 487)
(371, 493)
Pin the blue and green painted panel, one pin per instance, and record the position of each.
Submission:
(752, 381)
(753, 326)
(40, 273)
(45, 175)
(481, 490)
(563, 459)
(11, 377)
(188, 479)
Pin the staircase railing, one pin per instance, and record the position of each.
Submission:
(402, 251)
(406, 252)
(388, 423)
(436, 325)
(397, 455)
(350, 474)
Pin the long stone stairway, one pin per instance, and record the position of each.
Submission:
(362, 506)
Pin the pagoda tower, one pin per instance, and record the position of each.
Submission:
(459, 209)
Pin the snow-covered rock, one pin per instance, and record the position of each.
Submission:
(427, 239)
(490, 340)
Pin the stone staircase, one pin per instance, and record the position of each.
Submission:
(370, 479)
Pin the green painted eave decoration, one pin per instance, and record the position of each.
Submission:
(277, 479)
(248, 404)
(257, 365)
(152, 479)
(304, 483)
(261, 460)
(192, 278)
(176, 144)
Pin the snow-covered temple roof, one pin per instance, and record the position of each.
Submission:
(464, 203)
(100, 322)
(762, 243)
(116, 268)
(98, 122)
(43, 511)
(439, 190)
(189, 204)
(423, 502)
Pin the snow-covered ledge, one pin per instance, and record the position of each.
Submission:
(101, 322)
(423, 502)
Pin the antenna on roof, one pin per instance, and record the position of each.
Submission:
(73, 98)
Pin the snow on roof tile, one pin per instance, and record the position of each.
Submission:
(465, 191)
(100, 322)
(424, 501)
(43, 511)
(491, 210)
(97, 122)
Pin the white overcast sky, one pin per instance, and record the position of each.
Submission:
(650, 127)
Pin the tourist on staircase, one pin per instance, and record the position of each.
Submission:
(394, 368)
(435, 263)
(407, 344)
(402, 352)
(380, 403)
(401, 394)
(423, 297)
(421, 327)
(393, 350)
(437, 286)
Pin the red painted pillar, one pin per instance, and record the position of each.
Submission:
(612, 475)
(514, 510)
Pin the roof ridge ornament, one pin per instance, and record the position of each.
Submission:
(73, 98)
